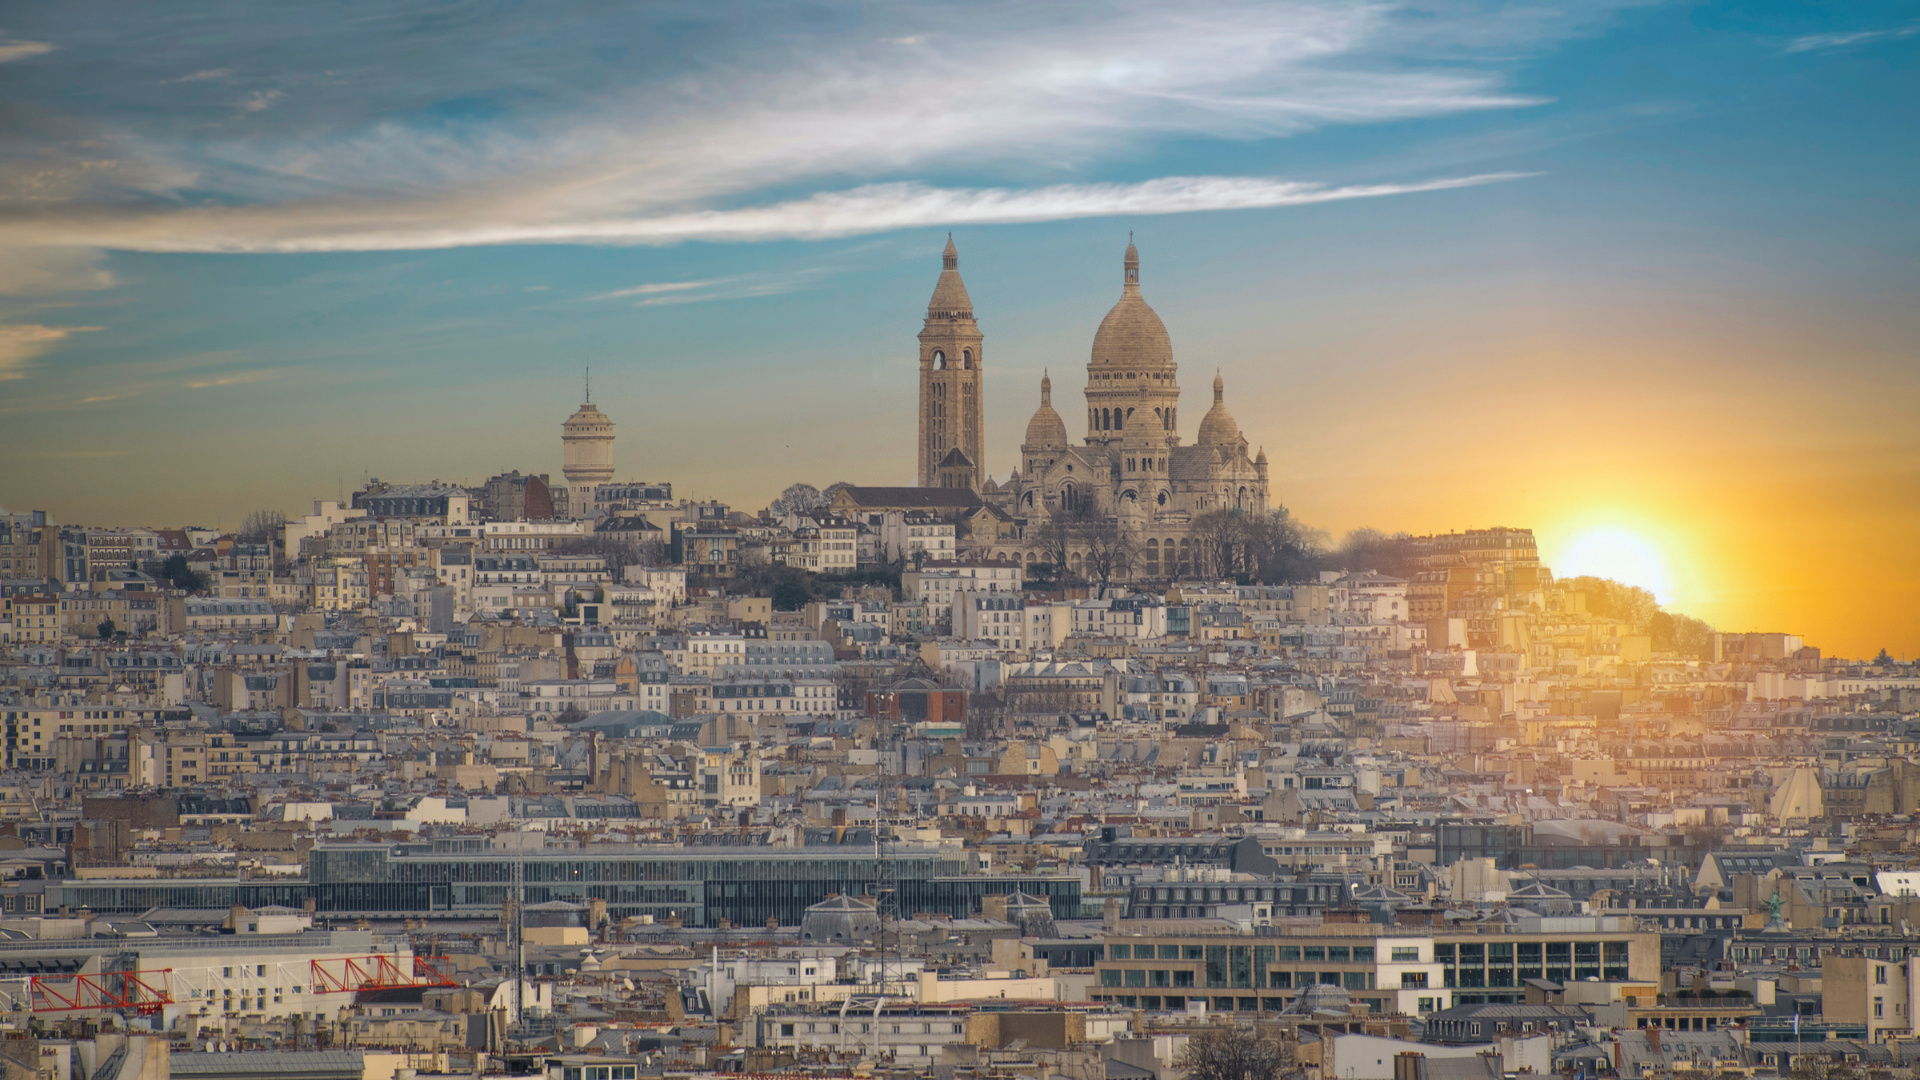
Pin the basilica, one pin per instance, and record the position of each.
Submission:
(1130, 467)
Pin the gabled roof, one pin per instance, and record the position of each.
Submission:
(906, 498)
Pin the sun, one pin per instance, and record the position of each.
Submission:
(1619, 553)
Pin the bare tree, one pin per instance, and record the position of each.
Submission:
(1370, 549)
(1110, 550)
(1219, 535)
(798, 497)
(1235, 1054)
(261, 527)
(1278, 549)
(1610, 599)
(1054, 539)
(618, 553)
(985, 714)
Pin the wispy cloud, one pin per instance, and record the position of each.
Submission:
(22, 343)
(237, 378)
(796, 129)
(203, 76)
(20, 50)
(739, 287)
(659, 287)
(1821, 42)
(868, 209)
(47, 271)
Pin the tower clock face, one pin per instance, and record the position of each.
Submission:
(939, 360)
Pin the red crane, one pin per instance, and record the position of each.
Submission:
(144, 992)
(342, 975)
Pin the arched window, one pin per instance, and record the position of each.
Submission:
(1153, 558)
(1066, 497)
(1241, 500)
(1186, 557)
(966, 359)
(1027, 500)
(1129, 414)
(1130, 464)
(939, 360)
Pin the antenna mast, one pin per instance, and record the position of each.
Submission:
(517, 939)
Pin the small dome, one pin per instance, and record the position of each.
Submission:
(1132, 335)
(1046, 430)
(588, 420)
(842, 919)
(950, 294)
(1218, 428)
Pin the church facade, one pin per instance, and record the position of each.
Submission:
(1131, 466)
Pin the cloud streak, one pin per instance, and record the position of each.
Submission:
(1824, 42)
(656, 287)
(795, 129)
(20, 50)
(867, 209)
(238, 378)
(22, 343)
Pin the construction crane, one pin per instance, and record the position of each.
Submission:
(142, 992)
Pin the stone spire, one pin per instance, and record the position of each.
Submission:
(951, 402)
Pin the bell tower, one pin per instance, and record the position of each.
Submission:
(950, 377)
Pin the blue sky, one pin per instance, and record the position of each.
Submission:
(252, 253)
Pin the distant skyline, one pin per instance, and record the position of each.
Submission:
(1637, 276)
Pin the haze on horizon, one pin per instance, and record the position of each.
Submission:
(1628, 270)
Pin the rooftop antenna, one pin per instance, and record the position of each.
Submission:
(589, 384)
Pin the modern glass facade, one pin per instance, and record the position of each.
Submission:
(701, 886)
(1405, 972)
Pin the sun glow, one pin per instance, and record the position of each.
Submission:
(1620, 553)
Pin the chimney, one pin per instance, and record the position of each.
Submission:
(1409, 1065)
(1653, 1039)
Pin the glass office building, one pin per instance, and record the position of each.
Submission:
(701, 886)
